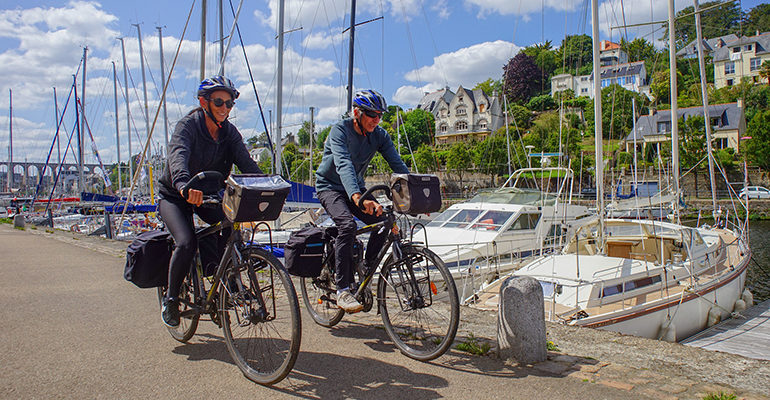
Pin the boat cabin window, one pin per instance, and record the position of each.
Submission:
(492, 220)
(525, 221)
(443, 217)
(462, 219)
(630, 285)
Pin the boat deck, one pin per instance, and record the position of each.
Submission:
(749, 336)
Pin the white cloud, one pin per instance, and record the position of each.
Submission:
(467, 66)
(612, 15)
(521, 7)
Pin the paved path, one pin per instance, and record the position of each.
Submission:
(73, 328)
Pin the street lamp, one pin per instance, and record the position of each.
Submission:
(529, 148)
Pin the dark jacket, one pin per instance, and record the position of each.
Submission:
(347, 155)
(191, 150)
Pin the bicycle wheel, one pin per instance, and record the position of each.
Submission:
(318, 294)
(420, 315)
(259, 312)
(189, 293)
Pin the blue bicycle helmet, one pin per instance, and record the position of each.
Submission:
(370, 100)
(215, 83)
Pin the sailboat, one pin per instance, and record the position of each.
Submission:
(643, 277)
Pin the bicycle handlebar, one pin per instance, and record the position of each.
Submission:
(200, 176)
(384, 188)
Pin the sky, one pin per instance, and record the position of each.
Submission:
(416, 47)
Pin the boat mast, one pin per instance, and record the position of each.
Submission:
(58, 143)
(81, 183)
(144, 81)
(117, 129)
(350, 54)
(9, 184)
(279, 90)
(507, 135)
(598, 121)
(203, 40)
(674, 107)
(163, 80)
(705, 98)
(128, 112)
(310, 143)
(222, 39)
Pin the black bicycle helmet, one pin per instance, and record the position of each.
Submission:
(215, 83)
(370, 100)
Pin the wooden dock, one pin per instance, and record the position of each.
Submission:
(749, 337)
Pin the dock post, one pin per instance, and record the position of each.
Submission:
(521, 321)
(18, 221)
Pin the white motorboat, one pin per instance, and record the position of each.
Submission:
(494, 231)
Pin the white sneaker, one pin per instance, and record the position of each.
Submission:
(347, 302)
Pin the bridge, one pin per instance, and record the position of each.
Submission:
(27, 174)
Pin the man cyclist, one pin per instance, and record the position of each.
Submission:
(204, 140)
(349, 148)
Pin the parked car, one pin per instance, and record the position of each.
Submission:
(588, 193)
(754, 192)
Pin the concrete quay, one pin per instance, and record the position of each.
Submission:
(73, 328)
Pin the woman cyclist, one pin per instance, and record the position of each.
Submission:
(204, 140)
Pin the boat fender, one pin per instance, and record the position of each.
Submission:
(75, 228)
(714, 316)
(748, 297)
(668, 332)
(740, 306)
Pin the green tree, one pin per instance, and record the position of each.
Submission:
(257, 140)
(577, 53)
(764, 70)
(459, 160)
(617, 115)
(757, 19)
(303, 134)
(489, 86)
(491, 155)
(521, 78)
(321, 138)
(425, 159)
(661, 85)
(288, 155)
(419, 126)
(757, 148)
(519, 116)
(692, 144)
(541, 103)
(638, 49)
(545, 59)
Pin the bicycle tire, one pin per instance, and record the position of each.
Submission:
(421, 331)
(189, 293)
(263, 342)
(317, 294)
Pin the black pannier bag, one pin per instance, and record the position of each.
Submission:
(147, 259)
(415, 193)
(254, 197)
(304, 251)
(211, 249)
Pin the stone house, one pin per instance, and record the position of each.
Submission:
(740, 59)
(462, 115)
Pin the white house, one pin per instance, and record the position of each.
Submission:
(463, 114)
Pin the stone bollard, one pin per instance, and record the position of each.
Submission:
(521, 321)
(18, 221)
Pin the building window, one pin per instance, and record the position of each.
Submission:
(715, 121)
(720, 143)
(443, 112)
(664, 127)
(461, 126)
(729, 68)
(584, 90)
(729, 82)
(443, 128)
(482, 107)
(748, 47)
(460, 111)
(736, 49)
(756, 63)
(483, 124)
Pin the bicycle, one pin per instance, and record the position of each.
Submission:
(416, 294)
(250, 296)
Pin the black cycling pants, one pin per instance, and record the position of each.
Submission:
(177, 215)
(341, 210)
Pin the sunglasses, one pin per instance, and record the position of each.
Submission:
(219, 102)
(372, 114)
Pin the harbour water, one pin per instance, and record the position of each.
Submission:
(758, 278)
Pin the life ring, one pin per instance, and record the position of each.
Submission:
(75, 228)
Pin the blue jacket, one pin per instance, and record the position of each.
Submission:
(347, 155)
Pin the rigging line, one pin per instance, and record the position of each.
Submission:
(253, 85)
(411, 42)
(230, 38)
(157, 112)
(64, 157)
(382, 47)
(55, 139)
(105, 177)
(433, 41)
(362, 60)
